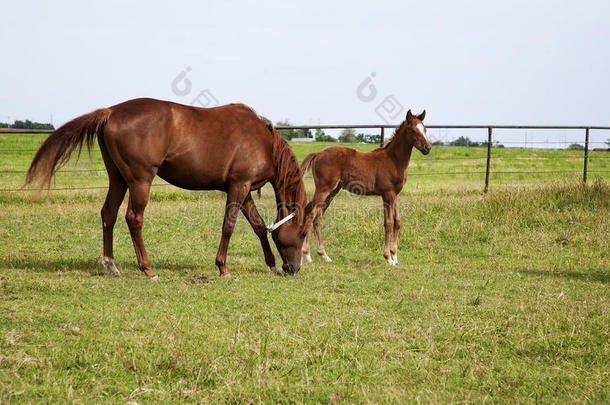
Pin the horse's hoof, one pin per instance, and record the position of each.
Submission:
(155, 278)
(325, 257)
(275, 272)
(308, 258)
(226, 276)
(110, 267)
(391, 262)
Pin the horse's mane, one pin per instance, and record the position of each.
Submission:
(288, 178)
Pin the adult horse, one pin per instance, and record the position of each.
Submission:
(382, 171)
(228, 148)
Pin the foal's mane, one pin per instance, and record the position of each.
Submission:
(397, 131)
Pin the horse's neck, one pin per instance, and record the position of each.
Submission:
(288, 203)
(399, 150)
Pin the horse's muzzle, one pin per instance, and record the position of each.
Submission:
(290, 270)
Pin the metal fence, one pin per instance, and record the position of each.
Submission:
(382, 129)
(586, 130)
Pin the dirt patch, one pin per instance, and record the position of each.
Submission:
(200, 279)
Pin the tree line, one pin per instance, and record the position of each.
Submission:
(348, 135)
(27, 124)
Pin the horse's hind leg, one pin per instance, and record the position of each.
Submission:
(317, 224)
(114, 198)
(138, 198)
(116, 192)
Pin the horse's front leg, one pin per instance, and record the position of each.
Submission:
(388, 224)
(235, 198)
(394, 246)
(258, 225)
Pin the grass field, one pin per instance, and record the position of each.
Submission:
(499, 298)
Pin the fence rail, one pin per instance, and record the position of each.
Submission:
(382, 127)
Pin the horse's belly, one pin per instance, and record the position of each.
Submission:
(192, 178)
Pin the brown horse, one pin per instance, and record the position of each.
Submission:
(382, 171)
(228, 148)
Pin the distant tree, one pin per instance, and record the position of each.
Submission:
(576, 146)
(286, 133)
(27, 124)
(321, 136)
(302, 133)
(463, 141)
(348, 135)
(368, 138)
(4, 125)
(438, 143)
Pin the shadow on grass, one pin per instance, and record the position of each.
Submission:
(90, 266)
(591, 275)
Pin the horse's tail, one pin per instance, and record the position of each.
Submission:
(307, 162)
(56, 150)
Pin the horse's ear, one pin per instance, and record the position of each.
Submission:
(422, 115)
(409, 115)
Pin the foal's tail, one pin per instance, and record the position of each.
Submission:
(55, 151)
(307, 162)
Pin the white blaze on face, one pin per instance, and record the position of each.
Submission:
(422, 130)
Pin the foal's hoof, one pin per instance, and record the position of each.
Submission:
(395, 259)
(325, 257)
(226, 276)
(155, 278)
(275, 272)
(391, 261)
(307, 257)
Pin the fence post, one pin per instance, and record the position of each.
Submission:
(381, 142)
(584, 176)
(488, 158)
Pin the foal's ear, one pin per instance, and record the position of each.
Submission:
(409, 115)
(308, 216)
(422, 115)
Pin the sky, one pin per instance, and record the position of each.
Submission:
(315, 62)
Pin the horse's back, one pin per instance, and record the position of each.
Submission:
(195, 148)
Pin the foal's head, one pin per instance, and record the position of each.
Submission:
(416, 132)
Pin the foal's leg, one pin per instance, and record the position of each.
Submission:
(258, 225)
(138, 198)
(317, 202)
(388, 223)
(116, 192)
(317, 224)
(394, 246)
(235, 198)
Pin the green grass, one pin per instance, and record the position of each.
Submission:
(498, 298)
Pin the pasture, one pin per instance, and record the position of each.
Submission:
(498, 297)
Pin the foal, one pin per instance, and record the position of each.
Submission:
(382, 171)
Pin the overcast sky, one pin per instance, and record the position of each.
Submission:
(510, 62)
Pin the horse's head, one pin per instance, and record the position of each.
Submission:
(416, 132)
(289, 238)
